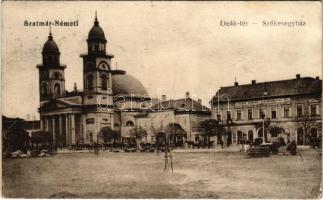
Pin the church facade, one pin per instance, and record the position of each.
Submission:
(110, 98)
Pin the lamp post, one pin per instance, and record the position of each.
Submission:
(263, 116)
(222, 95)
(218, 109)
(263, 127)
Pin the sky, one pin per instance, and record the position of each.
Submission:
(171, 47)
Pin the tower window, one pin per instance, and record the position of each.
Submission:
(96, 46)
(57, 89)
(56, 75)
(104, 82)
(44, 89)
(90, 81)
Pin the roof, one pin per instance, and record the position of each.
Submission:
(124, 84)
(96, 32)
(54, 104)
(185, 104)
(50, 46)
(281, 88)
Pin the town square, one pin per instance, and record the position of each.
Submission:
(141, 175)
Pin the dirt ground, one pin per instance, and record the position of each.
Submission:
(141, 175)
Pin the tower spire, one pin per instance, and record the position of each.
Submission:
(50, 37)
(96, 22)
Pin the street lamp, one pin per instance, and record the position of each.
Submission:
(229, 121)
(263, 126)
(223, 95)
(263, 118)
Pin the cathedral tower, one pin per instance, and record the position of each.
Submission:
(97, 63)
(51, 72)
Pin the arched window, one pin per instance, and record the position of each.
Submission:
(130, 123)
(260, 132)
(44, 89)
(90, 81)
(96, 46)
(314, 133)
(56, 75)
(57, 89)
(104, 82)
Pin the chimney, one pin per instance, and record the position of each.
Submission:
(236, 83)
(163, 97)
(187, 95)
(200, 101)
(75, 87)
(298, 76)
(253, 82)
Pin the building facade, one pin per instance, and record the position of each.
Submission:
(109, 99)
(185, 114)
(291, 108)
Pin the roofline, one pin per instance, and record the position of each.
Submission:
(107, 55)
(274, 81)
(265, 97)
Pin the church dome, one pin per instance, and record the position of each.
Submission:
(124, 84)
(50, 46)
(96, 32)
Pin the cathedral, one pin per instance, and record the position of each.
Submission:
(110, 98)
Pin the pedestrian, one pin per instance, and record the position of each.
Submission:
(292, 148)
(221, 143)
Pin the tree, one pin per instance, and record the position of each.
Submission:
(107, 135)
(212, 127)
(138, 133)
(306, 122)
(275, 131)
(16, 137)
(176, 134)
(41, 137)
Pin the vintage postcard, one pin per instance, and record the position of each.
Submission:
(161, 99)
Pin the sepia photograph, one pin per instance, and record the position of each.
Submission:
(161, 99)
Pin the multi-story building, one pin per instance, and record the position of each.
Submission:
(291, 108)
